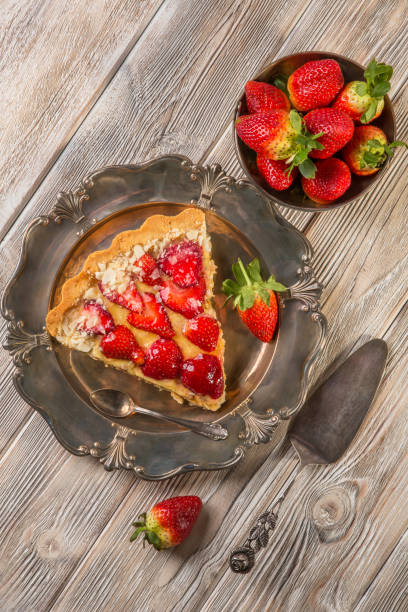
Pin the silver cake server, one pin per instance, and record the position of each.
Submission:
(322, 431)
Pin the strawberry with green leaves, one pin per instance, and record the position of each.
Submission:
(254, 298)
(280, 134)
(363, 101)
(169, 522)
(368, 150)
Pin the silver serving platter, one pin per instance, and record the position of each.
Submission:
(265, 382)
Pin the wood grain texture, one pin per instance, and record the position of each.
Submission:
(56, 58)
(65, 521)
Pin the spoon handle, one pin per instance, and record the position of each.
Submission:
(242, 559)
(215, 431)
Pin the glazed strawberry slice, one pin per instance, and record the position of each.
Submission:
(120, 343)
(183, 262)
(130, 298)
(163, 360)
(203, 331)
(188, 302)
(203, 375)
(95, 320)
(147, 270)
(153, 318)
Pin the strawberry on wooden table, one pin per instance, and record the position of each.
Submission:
(336, 126)
(264, 96)
(315, 84)
(120, 343)
(364, 100)
(280, 134)
(254, 298)
(368, 150)
(95, 320)
(275, 172)
(153, 317)
(332, 179)
(169, 522)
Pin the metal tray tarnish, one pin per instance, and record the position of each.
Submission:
(254, 406)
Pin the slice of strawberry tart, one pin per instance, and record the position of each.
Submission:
(144, 305)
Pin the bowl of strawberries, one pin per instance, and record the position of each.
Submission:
(315, 130)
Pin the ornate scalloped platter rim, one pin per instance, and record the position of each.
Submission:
(255, 420)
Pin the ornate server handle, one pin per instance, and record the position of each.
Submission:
(242, 559)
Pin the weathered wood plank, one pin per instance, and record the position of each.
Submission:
(388, 591)
(56, 58)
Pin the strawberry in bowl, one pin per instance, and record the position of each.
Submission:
(279, 147)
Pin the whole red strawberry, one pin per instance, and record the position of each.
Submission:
(268, 132)
(163, 360)
(337, 128)
(315, 84)
(279, 135)
(275, 172)
(120, 343)
(203, 375)
(368, 150)
(264, 97)
(95, 320)
(183, 262)
(130, 298)
(203, 331)
(364, 100)
(188, 302)
(332, 179)
(153, 317)
(169, 522)
(254, 298)
(147, 270)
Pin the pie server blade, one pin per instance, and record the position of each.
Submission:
(323, 430)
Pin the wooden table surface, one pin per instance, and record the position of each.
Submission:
(87, 84)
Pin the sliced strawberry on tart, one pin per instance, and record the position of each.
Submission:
(144, 306)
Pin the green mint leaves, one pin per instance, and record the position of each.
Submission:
(249, 284)
(305, 142)
(377, 84)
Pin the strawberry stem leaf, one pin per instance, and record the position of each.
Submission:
(281, 82)
(307, 169)
(249, 285)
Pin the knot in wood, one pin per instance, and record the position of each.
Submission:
(333, 511)
(50, 544)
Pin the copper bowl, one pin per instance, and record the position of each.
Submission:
(294, 197)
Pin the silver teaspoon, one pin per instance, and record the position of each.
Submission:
(114, 403)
